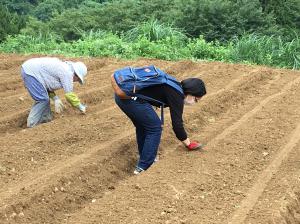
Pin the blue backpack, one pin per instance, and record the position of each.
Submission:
(131, 80)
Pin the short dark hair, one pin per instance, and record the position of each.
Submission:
(194, 87)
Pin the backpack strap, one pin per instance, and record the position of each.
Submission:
(135, 77)
(156, 101)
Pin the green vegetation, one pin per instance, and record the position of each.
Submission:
(247, 31)
(10, 23)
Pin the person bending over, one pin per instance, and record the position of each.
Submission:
(146, 121)
(42, 76)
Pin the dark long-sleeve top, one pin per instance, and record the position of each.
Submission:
(172, 99)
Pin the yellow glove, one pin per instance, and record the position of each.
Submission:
(73, 99)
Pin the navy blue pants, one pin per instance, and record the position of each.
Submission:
(148, 128)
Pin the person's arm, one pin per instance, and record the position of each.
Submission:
(176, 104)
(73, 99)
(186, 142)
(118, 91)
(66, 79)
(58, 105)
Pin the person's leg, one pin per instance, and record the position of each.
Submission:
(40, 111)
(153, 130)
(47, 114)
(126, 106)
(148, 129)
(140, 137)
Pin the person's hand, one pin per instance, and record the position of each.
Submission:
(82, 108)
(194, 145)
(58, 105)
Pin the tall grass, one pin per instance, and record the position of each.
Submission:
(266, 50)
(155, 31)
(153, 40)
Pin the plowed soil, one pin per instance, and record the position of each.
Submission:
(79, 168)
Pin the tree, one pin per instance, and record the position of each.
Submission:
(72, 3)
(116, 16)
(21, 7)
(264, 4)
(72, 23)
(222, 19)
(9, 23)
(45, 10)
(286, 12)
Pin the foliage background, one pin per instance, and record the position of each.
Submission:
(251, 31)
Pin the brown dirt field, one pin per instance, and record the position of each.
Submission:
(79, 169)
